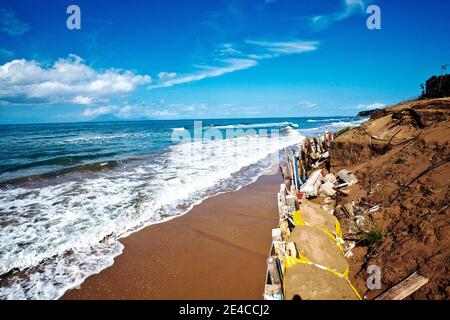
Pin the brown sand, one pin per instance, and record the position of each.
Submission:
(389, 153)
(216, 251)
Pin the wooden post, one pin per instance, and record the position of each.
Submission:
(444, 67)
(296, 174)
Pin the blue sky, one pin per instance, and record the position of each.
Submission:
(214, 58)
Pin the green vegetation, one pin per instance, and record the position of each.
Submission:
(341, 132)
(373, 236)
(400, 160)
(436, 87)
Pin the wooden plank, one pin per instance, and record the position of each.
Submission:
(405, 288)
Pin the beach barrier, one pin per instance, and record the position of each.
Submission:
(307, 258)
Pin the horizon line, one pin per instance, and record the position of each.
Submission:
(190, 119)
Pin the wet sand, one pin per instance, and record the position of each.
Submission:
(218, 250)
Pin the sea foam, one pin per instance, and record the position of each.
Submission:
(55, 236)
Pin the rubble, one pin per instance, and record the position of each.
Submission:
(327, 189)
(308, 252)
(347, 177)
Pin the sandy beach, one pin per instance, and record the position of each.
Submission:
(218, 250)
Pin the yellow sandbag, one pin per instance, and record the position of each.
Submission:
(318, 247)
(316, 216)
(300, 220)
(310, 282)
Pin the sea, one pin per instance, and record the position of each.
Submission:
(69, 192)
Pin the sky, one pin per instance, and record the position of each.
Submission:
(199, 59)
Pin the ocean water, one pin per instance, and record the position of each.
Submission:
(70, 192)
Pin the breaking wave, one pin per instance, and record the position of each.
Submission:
(55, 235)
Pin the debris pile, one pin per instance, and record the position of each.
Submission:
(398, 214)
(308, 255)
(375, 196)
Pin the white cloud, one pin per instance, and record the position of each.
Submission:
(228, 66)
(349, 8)
(372, 106)
(307, 104)
(230, 60)
(196, 107)
(166, 75)
(68, 80)
(82, 100)
(99, 111)
(11, 25)
(227, 49)
(260, 56)
(285, 47)
(163, 113)
(147, 110)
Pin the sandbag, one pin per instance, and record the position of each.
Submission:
(311, 283)
(318, 247)
(315, 215)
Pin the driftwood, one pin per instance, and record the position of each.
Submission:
(405, 288)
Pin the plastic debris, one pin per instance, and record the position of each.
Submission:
(325, 155)
(374, 209)
(359, 220)
(276, 234)
(330, 178)
(327, 189)
(273, 292)
(308, 255)
(311, 188)
(349, 246)
(347, 177)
